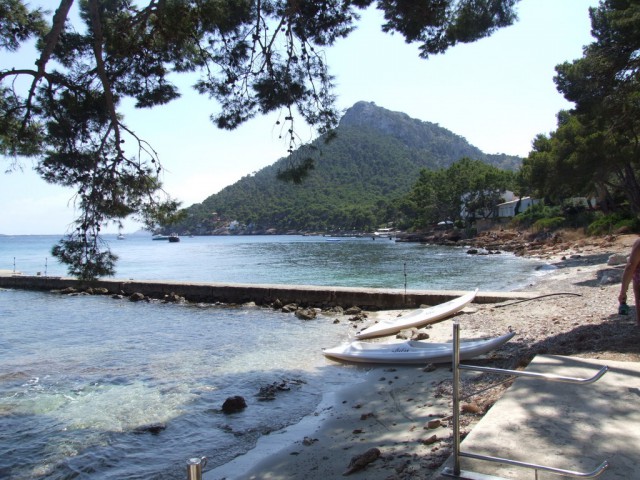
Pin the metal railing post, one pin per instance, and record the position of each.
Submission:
(456, 398)
(195, 466)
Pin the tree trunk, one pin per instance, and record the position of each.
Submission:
(604, 199)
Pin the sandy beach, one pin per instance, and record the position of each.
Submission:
(397, 424)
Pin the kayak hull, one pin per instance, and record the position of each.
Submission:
(413, 351)
(417, 318)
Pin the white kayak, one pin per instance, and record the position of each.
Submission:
(417, 318)
(413, 351)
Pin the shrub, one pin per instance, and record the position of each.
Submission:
(580, 218)
(549, 223)
(631, 223)
(535, 213)
(609, 223)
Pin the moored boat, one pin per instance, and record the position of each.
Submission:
(412, 351)
(383, 233)
(418, 317)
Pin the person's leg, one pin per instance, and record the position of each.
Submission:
(636, 295)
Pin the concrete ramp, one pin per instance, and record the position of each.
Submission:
(561, 425)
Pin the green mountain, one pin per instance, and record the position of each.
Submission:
(360, 176)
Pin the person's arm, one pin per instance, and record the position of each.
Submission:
(629, 269)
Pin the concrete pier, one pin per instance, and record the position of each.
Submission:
(261, 294)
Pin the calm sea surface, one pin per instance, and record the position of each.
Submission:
(80, 377)
(351, 262)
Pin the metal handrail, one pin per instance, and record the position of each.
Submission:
(558, 471)
(455, 472)
(544, 376)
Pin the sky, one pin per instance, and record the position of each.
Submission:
(498, 93)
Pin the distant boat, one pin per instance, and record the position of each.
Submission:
(120, 236)
(413, 351)
(173, 238)
(383, 233)
(160, 237)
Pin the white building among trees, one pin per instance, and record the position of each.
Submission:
(508, 209)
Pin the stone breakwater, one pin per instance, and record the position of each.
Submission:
(260, 294)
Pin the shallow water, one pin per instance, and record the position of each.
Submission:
(81, 374)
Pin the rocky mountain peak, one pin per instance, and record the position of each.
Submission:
(412, 132)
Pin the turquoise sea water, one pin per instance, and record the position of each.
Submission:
(80, 376)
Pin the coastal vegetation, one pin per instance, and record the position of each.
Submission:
(466, 191)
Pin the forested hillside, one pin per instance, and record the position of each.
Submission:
(358, 183)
